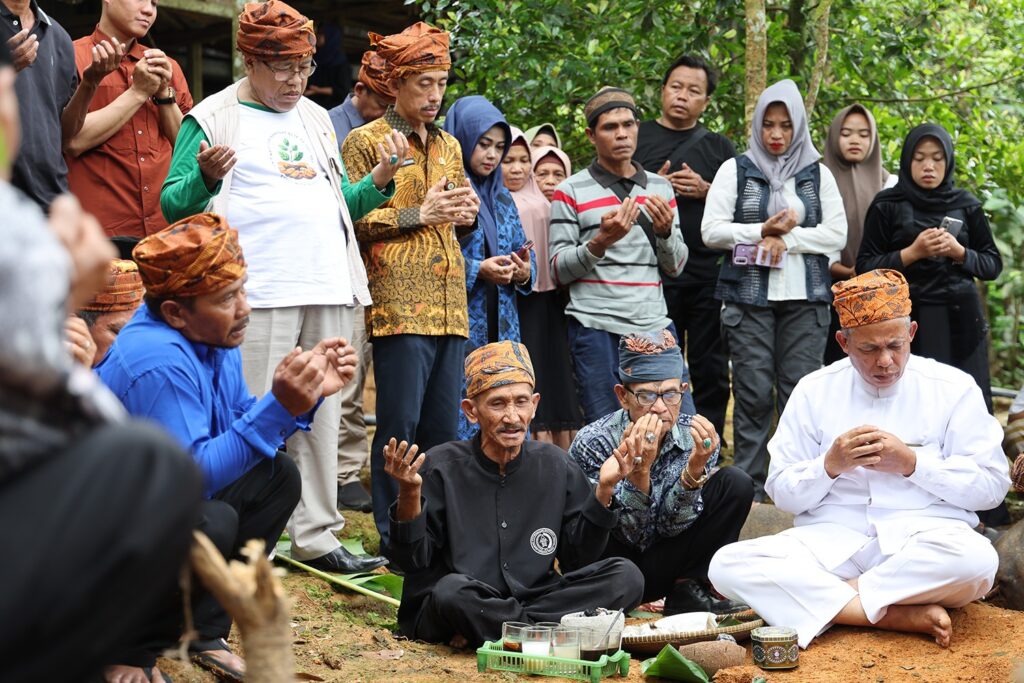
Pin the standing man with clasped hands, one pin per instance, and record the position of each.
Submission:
(614, 232)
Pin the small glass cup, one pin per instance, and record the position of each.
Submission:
(536, 642)
(592, 643)
(565, 644)
(512, 635)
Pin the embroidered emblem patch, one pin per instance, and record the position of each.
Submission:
(543, 541)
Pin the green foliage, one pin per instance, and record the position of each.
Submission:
(958, 64)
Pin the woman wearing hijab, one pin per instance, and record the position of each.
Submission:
(779, 204)
(496, 268)
(550, 167)
(543, 135)
(542, 314)
(902, 231)
(854, 155)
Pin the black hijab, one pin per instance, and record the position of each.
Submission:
(941, 199)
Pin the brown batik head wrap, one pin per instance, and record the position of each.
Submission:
(274, 30)
(123, 290)
(372, 74)
(872, 297)
(495, 365)
(417, 49)
(195, 256)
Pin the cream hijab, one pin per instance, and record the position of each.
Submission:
(858, 183)
(534, 214)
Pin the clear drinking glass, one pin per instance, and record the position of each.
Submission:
(565, 644)
(512, 635)
(537, 642)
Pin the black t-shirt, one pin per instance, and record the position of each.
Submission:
(655, 144)
(44, 89)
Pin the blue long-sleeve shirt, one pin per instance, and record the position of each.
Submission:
(198, 394)
(668, 509)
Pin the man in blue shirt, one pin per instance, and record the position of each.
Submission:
(177, 362)
(674, 514)
(369, 99)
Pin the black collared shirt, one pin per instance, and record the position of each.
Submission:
(44, 89)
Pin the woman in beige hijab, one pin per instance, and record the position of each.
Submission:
(853, 154)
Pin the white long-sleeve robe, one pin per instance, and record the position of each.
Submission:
(855, 523)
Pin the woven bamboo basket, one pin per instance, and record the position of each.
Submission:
(652, 644)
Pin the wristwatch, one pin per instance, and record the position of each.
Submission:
(691, 484)
(172, 97)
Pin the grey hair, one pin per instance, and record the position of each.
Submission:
(846, 330)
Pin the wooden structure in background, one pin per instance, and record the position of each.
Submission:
(200, 34)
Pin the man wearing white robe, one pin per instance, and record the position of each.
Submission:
(882, 457)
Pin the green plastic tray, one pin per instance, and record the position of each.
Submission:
(492, 657)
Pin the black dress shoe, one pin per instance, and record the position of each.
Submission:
(352, 496)
(695, 596)
(341, 561)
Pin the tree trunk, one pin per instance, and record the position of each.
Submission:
(819, 25)
(255, 599)
(757, 53)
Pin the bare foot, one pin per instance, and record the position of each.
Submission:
(130, 674)
(929, 619)
(458, 642)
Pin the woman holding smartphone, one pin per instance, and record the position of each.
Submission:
(780, 198)
(497, 265)
(937, 235)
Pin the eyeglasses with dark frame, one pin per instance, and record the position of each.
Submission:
(646, 398)
(283, 74)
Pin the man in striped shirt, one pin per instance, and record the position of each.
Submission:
(614, 231)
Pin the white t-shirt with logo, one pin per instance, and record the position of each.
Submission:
(287, 215)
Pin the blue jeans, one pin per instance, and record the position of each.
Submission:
(595, 353)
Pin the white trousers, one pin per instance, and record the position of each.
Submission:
(782, 580)
(272, 333)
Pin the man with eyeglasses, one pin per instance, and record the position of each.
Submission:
(267, 159)
(675, 509)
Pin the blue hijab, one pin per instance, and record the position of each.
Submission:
(467, 120)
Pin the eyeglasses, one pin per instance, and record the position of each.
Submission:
(284, 73)
(649, 398)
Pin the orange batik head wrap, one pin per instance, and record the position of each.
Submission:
(417, 49)
(123, 290)
(274, 30)
(372, 74)
(497, 364)
(871, 297)
(195, 256)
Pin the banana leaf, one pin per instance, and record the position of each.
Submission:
(384, 587)
(672, 665)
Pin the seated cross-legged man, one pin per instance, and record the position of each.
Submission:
(177, 362)
(673, 513)
(881, 456)
(479, 524)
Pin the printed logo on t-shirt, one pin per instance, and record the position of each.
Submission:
(290, 155)
(543, 541)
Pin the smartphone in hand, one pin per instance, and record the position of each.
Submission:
(523, 252)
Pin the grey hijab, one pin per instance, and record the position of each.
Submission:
(779, 169)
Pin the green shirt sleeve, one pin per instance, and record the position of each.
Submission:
(184, 191)
(363, 196)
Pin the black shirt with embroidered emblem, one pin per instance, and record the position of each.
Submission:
(505, 531)
(44, 89)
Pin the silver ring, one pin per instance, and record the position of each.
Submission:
(393, 159)
(649, 437)
(637, 460)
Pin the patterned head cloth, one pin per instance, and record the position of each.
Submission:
(496, 365)
(649, 357)
(871, 298)
(606, 99)
(419, 48)
(123, 291)
(195, 256)
(371, 74)
(274, 30)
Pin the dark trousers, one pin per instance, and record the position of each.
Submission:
(595, 353)
(697, 315)
(96, 535)
(727, 496)
(419, 389)
(256, 505)
(475, 610)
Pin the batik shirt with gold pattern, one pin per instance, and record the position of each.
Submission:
(417, 273)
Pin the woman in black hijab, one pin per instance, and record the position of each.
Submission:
(902, 231)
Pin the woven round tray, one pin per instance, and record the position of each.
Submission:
(652, 644)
